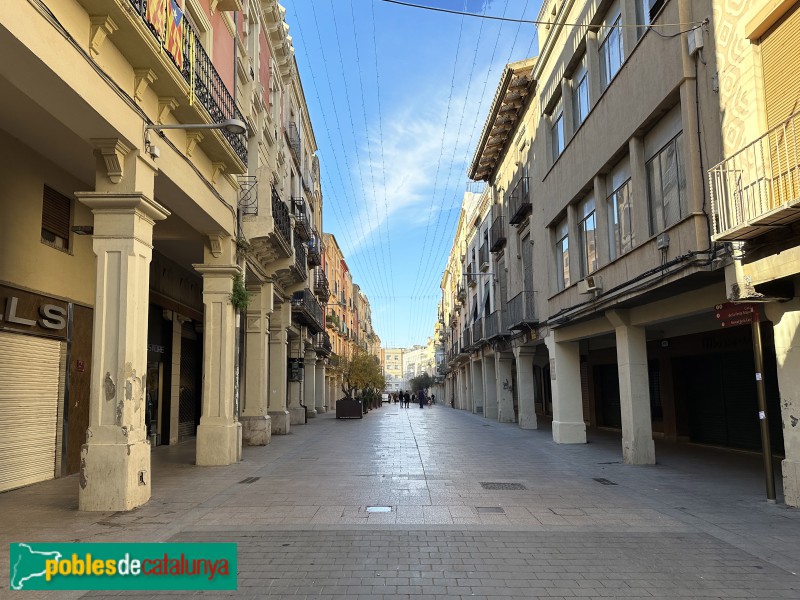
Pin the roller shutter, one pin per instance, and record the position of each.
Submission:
(780, 59)
(31, 388)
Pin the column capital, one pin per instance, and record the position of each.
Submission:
(619, 318)
(220, 271)
(110, 202)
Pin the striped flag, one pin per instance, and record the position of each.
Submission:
(174, 40)
(155, 15)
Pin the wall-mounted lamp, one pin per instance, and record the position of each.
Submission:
(82, 229)
(234, 126)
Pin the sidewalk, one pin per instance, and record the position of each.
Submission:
(695, 525)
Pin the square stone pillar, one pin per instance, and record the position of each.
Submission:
(504, 382)
(321, 392)
(565, 376)
(219, 432)
(115, 460)
(278, 364)
(297, 413)
(634, 391)
(786, 321)
(256, 422)
(490, 409)
(477, 386)
(525, 388)
(310, 382)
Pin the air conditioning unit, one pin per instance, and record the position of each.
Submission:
(590, 285)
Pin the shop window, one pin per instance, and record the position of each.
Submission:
(56, 213)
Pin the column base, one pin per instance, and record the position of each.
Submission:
(505, 412)
(569, 433)
(638, 452)
(297, 415)
(312, 412)
(114, 477)
(256, 431)
(321, 410)
(280, 422)
(218, 445)
(491, 413)
(791, 482)
(529, 422)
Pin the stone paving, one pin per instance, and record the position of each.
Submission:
(478, 510)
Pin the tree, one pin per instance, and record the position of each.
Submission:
(362, 372)
(421, 382)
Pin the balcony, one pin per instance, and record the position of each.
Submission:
(461, 295)
(314, 251)
(322, 343)
(280, 216)
(521, 311)
(497, 235)
(293, 138)
(477, 332)
(307, 311)
(302, 226)
(300, 260)
(757, 189)
(321, 287)
(466, 338)
(199, 73)
(519, 202)
(471, 278)
(483, 257)
(493, 326)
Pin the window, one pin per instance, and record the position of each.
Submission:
(557, 131)
(586, 231)
(620, 225)
(580, 94)
(666, 186)
(56, 212)
(562, 255)
(611, 52)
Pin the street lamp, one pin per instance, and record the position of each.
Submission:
(233, 126)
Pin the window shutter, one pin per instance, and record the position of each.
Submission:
(780, 54)
(56, 213)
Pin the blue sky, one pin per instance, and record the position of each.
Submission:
(398, 97)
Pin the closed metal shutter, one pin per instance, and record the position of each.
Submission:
(780, 59)
(31, 388)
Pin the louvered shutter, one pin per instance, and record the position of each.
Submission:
(56, 213)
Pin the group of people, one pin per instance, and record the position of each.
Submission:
(405, 399)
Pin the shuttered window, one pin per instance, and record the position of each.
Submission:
(780, 59)
(56, 209)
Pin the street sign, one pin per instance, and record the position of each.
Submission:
(733, 315)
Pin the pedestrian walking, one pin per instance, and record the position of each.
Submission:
(407, 398)
(433, 399)
(421, 398)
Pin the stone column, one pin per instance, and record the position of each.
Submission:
(634, 391)
(525, 388)
(310, 382)
(505, 387)
(565, 376)
(256, 423)
(320, 396)
(175, 379)
(593, 67)
(219, 433)
(278, 362)
(465, 387)
(297, 414)
(477, 386)
(786, 320)
(490, 410)
(115, 460)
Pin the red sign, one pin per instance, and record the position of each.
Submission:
(733, 315)
(80, 366)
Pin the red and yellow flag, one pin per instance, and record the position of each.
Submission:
(156, 15)
(174, 39)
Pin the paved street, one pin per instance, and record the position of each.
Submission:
(694, 526)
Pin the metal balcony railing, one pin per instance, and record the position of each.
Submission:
(198, 71)
(300, 259)
(248, 194)
(497, 234)
(321, 287)
(307, 310)
(477, 331)
(466, 338)
(521, 311)
(471, 278)
(492, 326)
(293, 137)
(302, 227)
(280, 216)
(483, 257)
(519, 202)
(314, 251)
(758, 188)
(461, 294)
(322, 343)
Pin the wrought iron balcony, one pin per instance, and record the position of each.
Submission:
(300, 260)
(521, 311)
(293, 137)
(758, 189)
(314, 251)
(321, 287)
(322, 343)
(519, 202)
(466, 338)
(471, 279)
(477, 332)
(497, 235)
(280, 216)
(493, 326)
(302, 227)
(483, 257)
(248, 194)
(461, 294)
(198, 71)
(307, 311)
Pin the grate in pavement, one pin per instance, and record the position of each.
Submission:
(490, 510)
(604, 481)
(250, 480)
(379, 509)
(496, 485)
